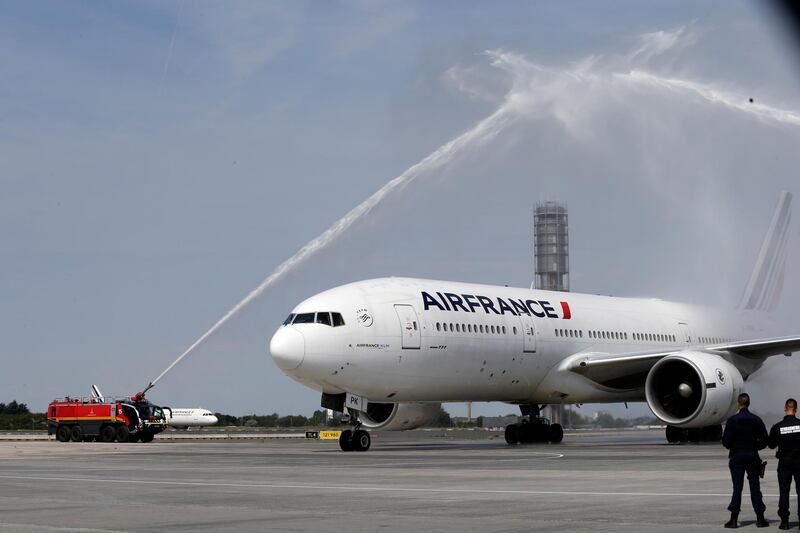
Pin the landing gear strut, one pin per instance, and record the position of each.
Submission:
(356, 439)
(534, 428)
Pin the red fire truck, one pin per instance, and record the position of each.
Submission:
(103, 419)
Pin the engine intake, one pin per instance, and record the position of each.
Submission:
(398, 416)
(693, 389)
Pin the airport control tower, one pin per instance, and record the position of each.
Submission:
(551, 246)
(551, 261)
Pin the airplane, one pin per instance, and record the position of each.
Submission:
(387, 352)
(185, 417)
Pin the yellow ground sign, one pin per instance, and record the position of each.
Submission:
(329, 435)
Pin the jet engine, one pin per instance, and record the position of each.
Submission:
(693, 389)
(398, 416)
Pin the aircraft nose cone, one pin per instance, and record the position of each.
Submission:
(288, 347)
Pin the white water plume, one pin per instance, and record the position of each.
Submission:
(481, 132)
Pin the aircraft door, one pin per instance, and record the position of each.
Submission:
(687, 334)
(528, 334)
(409, 326)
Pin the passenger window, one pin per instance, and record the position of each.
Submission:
(458, 329)
(580, 334)
(451, 327)
(492, 328)
(324, 318)
(337, 319)
(515, 330)
(463, 328)
(304, 318)
(288, 320)
(504, 330)
(438, 327)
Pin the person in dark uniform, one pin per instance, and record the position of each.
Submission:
(785, 435)
(744, 435)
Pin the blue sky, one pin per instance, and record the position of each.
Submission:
(159, 159)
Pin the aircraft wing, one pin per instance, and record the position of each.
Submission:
(760, 349)
(629, 370)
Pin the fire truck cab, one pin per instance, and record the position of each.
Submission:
(103, 419)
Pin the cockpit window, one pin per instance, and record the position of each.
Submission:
(288, 320)
(304, 318)
(322, 317)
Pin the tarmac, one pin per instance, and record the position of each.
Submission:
(414, 481)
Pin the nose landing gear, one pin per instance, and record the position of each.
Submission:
(355, 440)
(533, 429)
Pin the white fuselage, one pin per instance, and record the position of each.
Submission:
(185, 417)
(410, 340)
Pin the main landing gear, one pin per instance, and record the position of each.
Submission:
(704, 434)
(534, 428)
(356, 439)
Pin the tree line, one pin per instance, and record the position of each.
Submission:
(13, 408)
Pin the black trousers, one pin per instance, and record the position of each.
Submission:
(739, 465)
(788, 470)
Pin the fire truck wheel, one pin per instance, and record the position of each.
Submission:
(108, 434)
(63, 433)
(122, 434)
(76, 434)
(133, 437)
(146, 437)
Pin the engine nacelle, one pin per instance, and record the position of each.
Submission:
(693, 389)
(398, 416)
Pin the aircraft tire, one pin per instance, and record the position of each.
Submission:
(675, 434)
(512, 434)
(108, 434)
(75, 434)
(556, 433)
(63, 433)
(527, 433)
(345, 441)
(361, 440)
(694, 434)
(122, 434)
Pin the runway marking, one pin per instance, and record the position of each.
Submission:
(372, 488)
